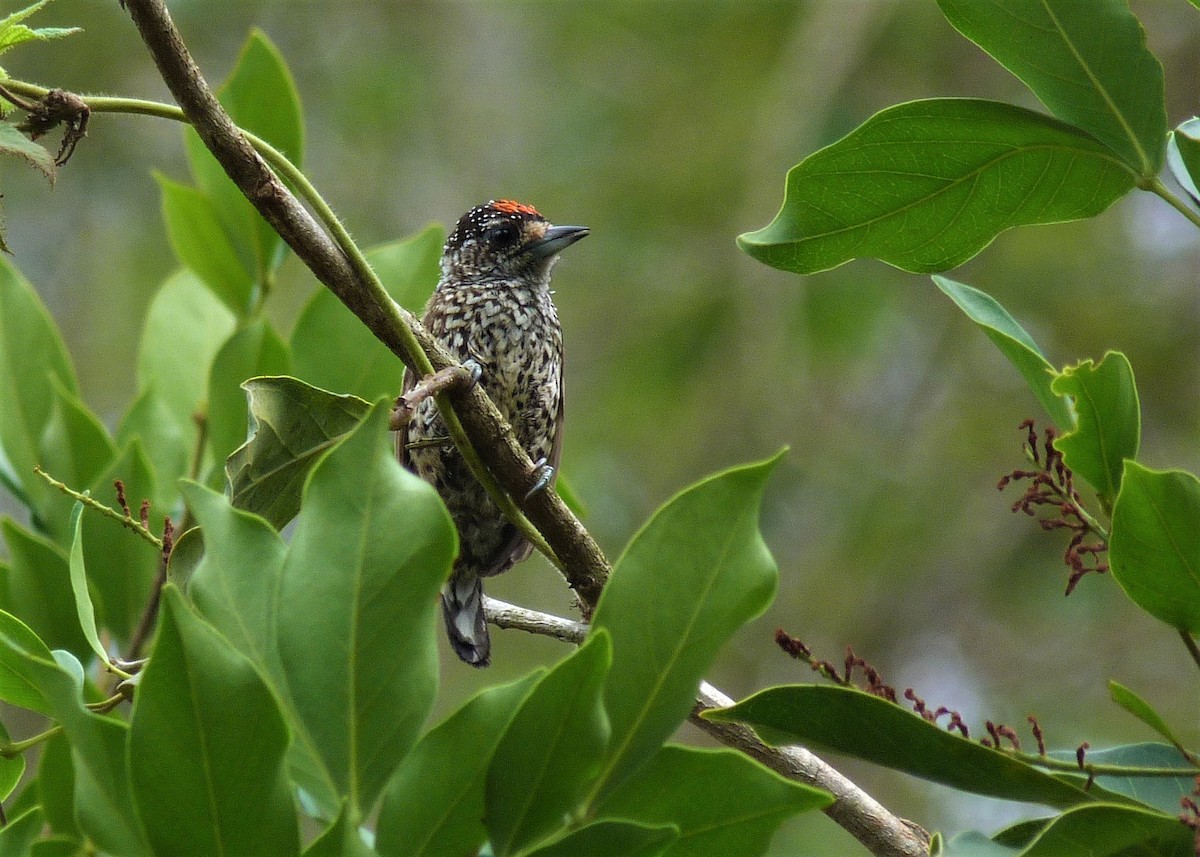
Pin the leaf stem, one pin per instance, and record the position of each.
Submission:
(107, 511)
(1072, 766)
(16, 748)
(1190, 643)
(1156, 186)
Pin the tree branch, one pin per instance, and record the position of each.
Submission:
(487, 441)
(859, 814)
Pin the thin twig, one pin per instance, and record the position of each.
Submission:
(127, 521)
(1190, 643)
(857, 812)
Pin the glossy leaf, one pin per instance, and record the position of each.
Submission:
(1108, 421)
(432, 808)
(1106, 829)
(185, 327)
(56, 786)
(261, 97)
(1014, 343)
(694, 574)
(1142, 710)
(121, 565)
(721, 801)
(79, 588)
(294, 425)
(17, 685)
(1154, 544)
(1161, 793)
(836, 718)
(1183, 156)
(608, 838)
(39, 589)
(546, 760)
(358, 609)
(206, 744)
(18, 835)
(340, 839)
(203, 246)
(31, 354)
(1086, 60)
(926, 185)
(335, 351)
(254, 350)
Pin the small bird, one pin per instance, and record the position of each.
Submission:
(493, 311)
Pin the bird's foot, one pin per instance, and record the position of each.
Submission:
(461, 378)
(543, 474)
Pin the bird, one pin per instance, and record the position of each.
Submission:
(492, 310)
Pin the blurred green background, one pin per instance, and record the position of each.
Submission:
(667, 127)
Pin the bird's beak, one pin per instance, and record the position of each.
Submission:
(557, 239)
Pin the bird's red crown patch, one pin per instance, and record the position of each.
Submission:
(510, 206)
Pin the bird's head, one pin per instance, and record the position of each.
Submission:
(503, 239)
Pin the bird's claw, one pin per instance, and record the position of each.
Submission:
(474, 370)
(544, 474)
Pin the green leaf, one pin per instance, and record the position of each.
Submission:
(1099, 830)
(926, 185)
(121, 565)
(13, 32)
(13, 142)
(1014, 343)
(546, 760)
(689, 578)
(39, 588)
(206, 746)
(17, 687)
(358, 609)
(608, 838)
(31, 354)
(1161, 793)
(79, 587)
(56, 786)
(253, 350)
(294, 425)
(261, 97)
(721, 801)
(149, 419)
(1183, 155)
(434, 807)
(1154, 544)
(75, 449)
(341, 839)
(1108, 421)
(1142, 710)
(1087, 61)
(18, 835)
(11, 769)
(836, 718)
(185, 327)
(202, 244)
(335, 351)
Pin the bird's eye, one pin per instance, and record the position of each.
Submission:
(501, 235)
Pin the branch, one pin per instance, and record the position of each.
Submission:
(854, 810)
(479, 430)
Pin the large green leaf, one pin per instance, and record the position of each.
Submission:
(294, 425)
(253, 350)
(546, 760)
(261, 97)
(1108, 422)
(926, 185)
(1142, 710)
(836, 718)
(185, 327)
(334, 350)
(1161, 793)
(358, 609)
(79, 586)
(164, 442)
(17, 686)
(1014, 343)
(12, 768)
(434, 803)
(1086, 60)
(18, 835)
(206, 747)
(31, 354)
(689, 578)
(340, 839)
(39, 588)
(75, 448)
(721, 801)
(56, 786)
(202, 244)
(608, 838)
(1106, 829)
(1154, 544)
(1183, 156)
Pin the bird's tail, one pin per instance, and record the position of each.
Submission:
(462, 608)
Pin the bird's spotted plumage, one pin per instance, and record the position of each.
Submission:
(492, 305)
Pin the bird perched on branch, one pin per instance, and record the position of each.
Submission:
(493, 311)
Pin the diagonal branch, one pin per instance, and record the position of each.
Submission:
(854, 810)
(487, 441)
